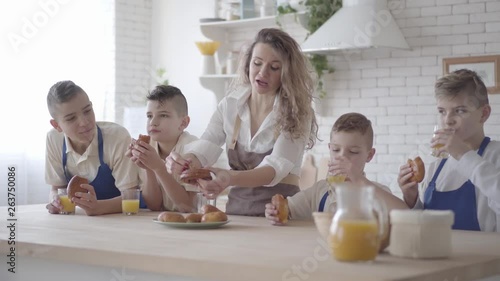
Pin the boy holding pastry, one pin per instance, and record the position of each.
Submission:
(351, 147)
(167, 119)
(78, 145)
(468, 181)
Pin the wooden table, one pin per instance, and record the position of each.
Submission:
(118, 247)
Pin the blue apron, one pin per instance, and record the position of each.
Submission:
(104, 182)
(461, 201)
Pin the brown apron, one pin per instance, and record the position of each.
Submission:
(252, 201)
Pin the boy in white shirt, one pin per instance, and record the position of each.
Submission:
(468, 181)
(78, 145)
(351, 147)
(167, 114)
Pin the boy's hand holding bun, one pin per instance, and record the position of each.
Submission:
(277, 211)
(410, 174)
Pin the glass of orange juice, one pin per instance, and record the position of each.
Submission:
(435, 148)
(335, 179)
(130, 201)
(68, 206)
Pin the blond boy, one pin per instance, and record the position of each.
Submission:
(467, 182)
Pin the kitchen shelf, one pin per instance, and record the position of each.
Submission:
(217, 30)
(217, 83)
(222, 30)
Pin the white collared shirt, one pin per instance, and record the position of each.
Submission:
(287, 153)
(116, 140)
(483, 172)
(179, 147)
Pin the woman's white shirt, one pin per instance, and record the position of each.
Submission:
(287, 153)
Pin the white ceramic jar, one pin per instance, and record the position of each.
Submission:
(421, 233)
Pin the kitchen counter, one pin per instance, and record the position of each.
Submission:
(247, 248)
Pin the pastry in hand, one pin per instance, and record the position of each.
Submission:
(144, 138)
(281, 205)
(417, 165)
(190, 176)
(74, 186)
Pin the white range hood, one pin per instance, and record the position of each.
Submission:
(358, 24)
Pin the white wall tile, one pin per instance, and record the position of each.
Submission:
(468, 49)
(469, 8)
(468, 28)
(436, 11)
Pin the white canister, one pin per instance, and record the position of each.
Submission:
(421, 233)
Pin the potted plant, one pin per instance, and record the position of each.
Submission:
(318, 12)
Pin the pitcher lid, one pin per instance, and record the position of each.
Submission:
(445, 217)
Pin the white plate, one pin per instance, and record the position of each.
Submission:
(192, 225)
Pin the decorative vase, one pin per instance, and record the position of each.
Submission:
(208, 67)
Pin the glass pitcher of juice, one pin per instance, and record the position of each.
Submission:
(359, 224)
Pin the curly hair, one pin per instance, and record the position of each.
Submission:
(462, 81)
(297, 85)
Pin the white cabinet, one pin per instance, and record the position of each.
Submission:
(246, 29)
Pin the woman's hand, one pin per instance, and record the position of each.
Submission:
(212, 188)
(87, 200)
(176, 164)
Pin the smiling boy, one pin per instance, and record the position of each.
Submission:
(468, 182)
(167, 117)
(78, 145)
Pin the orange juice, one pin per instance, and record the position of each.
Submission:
(130, 207)
(333, 179)
(68, 206)
(354, 240)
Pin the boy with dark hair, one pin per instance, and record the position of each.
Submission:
(167, 115)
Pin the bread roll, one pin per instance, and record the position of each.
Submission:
(417, 165)
(195, 217)
(144, 138)
(205, 209)
(281, 205)
(171, 217)
(190, 176)
(74, 186)
(214, 217)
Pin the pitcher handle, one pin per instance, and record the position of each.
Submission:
(382, 220)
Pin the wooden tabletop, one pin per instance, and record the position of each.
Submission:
(247, 248)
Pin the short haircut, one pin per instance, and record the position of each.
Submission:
(162, 93)
(61, 92)
(354, 122)
(462, 81)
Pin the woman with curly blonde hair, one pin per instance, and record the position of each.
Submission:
(266, 122)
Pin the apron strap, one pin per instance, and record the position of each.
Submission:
(321, 207)
(236, 132)
(483, 146)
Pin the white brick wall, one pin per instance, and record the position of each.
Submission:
(133, 54)
(401, 103)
